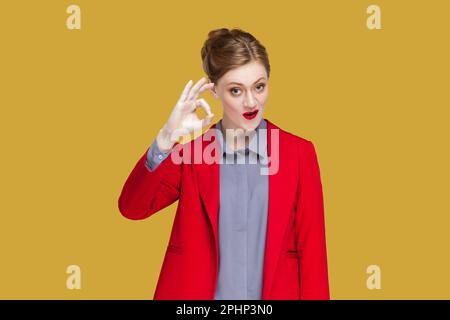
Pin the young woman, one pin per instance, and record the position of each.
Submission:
(250, 217)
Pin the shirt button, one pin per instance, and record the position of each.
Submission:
(160, 156)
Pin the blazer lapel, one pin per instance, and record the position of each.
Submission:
(278, 213)
(209, 185)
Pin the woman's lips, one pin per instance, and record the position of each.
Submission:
(250, 115)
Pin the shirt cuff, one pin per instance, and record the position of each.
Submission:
(155, 156)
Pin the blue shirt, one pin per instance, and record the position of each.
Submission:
(242, 215)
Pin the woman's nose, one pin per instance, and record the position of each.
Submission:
(250, 101)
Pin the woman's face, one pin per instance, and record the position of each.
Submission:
(243, 90)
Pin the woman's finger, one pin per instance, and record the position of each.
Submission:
(207, 120)
(195, 88)
(204, 88)
(185, 92)
(203, 104)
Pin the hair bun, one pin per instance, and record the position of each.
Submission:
(213, 40)
(218, 33)
(225, 49)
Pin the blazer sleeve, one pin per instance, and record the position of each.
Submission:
(147, 191)
(310, 228)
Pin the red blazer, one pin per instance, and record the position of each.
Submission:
(295, 262)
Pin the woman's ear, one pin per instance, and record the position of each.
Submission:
(213, 91)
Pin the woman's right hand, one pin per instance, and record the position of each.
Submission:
(183, 119)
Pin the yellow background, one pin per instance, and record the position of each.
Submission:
(79, 107)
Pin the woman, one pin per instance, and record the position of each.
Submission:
(240, 232)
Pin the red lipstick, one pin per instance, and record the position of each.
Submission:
(250, 115)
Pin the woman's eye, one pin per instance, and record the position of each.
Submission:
(259, 87)
(232, 90)
(262, 85)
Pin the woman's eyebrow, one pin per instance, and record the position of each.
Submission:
(242, 84)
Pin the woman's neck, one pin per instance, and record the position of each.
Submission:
(237, 138)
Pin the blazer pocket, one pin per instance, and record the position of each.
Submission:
(174, 249)
(292, 254)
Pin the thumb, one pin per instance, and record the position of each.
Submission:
(207, 120)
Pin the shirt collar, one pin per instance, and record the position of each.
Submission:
(258, 138)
